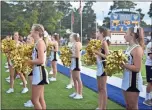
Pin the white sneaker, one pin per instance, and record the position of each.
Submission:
(30, 104)
(8, 78)
(69, 86)
(7, 71)
(18, 76)
(25, 90)
(51, 72)
(22, 83)
(73, 94)
(10, 90)
(52, 79)
(29, 101)
(148, 102)
(6, 66)
(78, 96)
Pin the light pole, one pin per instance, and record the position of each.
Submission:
(102, 16)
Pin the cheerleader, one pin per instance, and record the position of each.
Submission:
(76, 66)
(69, 86)
(101, 75)
(132, 79)
(29, 103)
(12, 71)
(40, 75)
(54, 56)
(50, 41)
(7, 66)
(148, 63)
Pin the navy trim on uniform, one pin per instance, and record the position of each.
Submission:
(37, 52)
(133, 87)
(104, 74)
(103, 62)
(149, 73)
(31, 74)
(77, 65)
(44, 76)
(55, 59)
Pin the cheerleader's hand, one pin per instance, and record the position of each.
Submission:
(96, 55)
(29, 62)
(96, 52)
(123, 65)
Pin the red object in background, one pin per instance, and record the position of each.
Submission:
(80, 8)
(72, 17)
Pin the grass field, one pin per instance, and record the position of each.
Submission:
(56, 95)
(123, 47)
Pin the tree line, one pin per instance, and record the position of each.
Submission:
(56, 16)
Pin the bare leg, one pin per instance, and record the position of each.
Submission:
(132, 100)
(23, 79)
(11, 76)
(36, 93)
(149, 88)
(42, 101)
(54, 67)
(102, 89)
(78, 80)
(75, 82)
(71, 79)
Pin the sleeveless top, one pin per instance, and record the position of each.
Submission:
(35, 52)
(132, 81)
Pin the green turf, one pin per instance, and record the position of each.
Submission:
(56, 95)
(123, 47)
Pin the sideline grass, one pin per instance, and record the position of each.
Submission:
(56, 95)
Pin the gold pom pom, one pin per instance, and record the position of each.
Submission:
(89, 57)
(20, 55)
(65, 55)
(114, 61)
(49, 48)
(7, 46)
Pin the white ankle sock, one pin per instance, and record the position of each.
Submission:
(147, 96)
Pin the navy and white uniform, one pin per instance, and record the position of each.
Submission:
(54, 55)
(132, 81)
(75, 62)
(101, 65)
(40, 74)
(31, 74)
(148, 62)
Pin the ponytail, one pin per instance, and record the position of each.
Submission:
(108, 42)
(45, 41)
(40, 29)
(139, 35)
(140, 38)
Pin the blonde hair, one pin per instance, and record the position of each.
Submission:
(75, 36)
(139, 36)
(40, 29)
